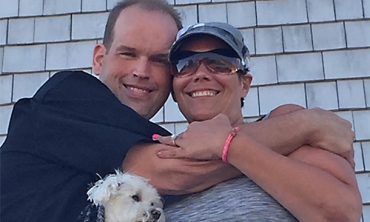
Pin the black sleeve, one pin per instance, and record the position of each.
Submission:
(73, 128)
(77, 121)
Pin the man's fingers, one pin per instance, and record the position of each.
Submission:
(351, 161)
(353, 164)
(171, 153)
(350, 158)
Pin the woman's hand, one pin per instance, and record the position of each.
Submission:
(192, 142)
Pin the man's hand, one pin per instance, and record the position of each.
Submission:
(325, 129)
(330, 132)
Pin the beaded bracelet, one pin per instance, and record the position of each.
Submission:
(227, 143)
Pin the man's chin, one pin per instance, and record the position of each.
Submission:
(146, 113)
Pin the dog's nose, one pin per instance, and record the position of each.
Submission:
(156, 214)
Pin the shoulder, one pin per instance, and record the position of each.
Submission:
(71, 83)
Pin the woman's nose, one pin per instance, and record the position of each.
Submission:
(201, 73)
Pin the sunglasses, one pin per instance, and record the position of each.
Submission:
(214, 62)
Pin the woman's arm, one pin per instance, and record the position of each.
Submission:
(334, 166)
(315, 127)
(313, 184)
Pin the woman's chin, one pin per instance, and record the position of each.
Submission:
(201, 116)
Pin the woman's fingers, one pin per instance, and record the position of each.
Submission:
(167, 140)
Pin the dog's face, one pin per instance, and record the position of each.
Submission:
(127, 198)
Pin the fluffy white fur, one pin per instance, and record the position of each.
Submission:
(127, 198)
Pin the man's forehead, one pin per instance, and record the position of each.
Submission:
(134, 13)
(160, 53)
(139, 28)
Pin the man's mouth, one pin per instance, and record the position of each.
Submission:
(203, 93)
(137, 90)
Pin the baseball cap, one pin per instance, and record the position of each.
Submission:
(227, 33)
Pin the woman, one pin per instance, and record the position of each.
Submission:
(210, 68)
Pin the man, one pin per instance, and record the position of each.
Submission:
(76, 127)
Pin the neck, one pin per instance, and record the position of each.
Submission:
(233, 120)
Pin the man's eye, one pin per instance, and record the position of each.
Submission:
(127, 54)
(161, 62)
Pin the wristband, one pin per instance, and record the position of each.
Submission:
(227, 143)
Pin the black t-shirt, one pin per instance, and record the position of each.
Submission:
(58, 140)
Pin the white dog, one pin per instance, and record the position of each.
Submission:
(127, 198)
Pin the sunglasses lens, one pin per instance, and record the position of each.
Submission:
(186, 67)
(215, 63)
(220, 66)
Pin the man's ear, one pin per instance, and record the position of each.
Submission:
(98, 56)
(246, 81)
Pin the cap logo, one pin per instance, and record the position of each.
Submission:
(182, 31)
(198, 25)
(185, 29)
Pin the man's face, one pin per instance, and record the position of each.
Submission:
(136, 66)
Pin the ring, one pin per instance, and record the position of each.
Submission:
(173, 137)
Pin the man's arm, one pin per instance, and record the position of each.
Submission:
(315, 127)
(176, 176)
(180, 176)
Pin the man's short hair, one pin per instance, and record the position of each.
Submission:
(149, 5)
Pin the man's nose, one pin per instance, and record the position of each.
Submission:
(141, 68)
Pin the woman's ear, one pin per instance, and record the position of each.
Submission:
(98, 56)
(246, 81)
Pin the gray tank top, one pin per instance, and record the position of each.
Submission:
(239, 199)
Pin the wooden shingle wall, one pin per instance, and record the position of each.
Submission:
(308, 52)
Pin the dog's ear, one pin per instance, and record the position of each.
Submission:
(103, 190)
(99, 194)
(162, 200)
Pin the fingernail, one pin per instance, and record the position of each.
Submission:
(155, 136)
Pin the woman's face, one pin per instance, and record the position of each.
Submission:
(204, 94)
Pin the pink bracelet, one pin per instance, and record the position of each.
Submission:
(227, 143)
